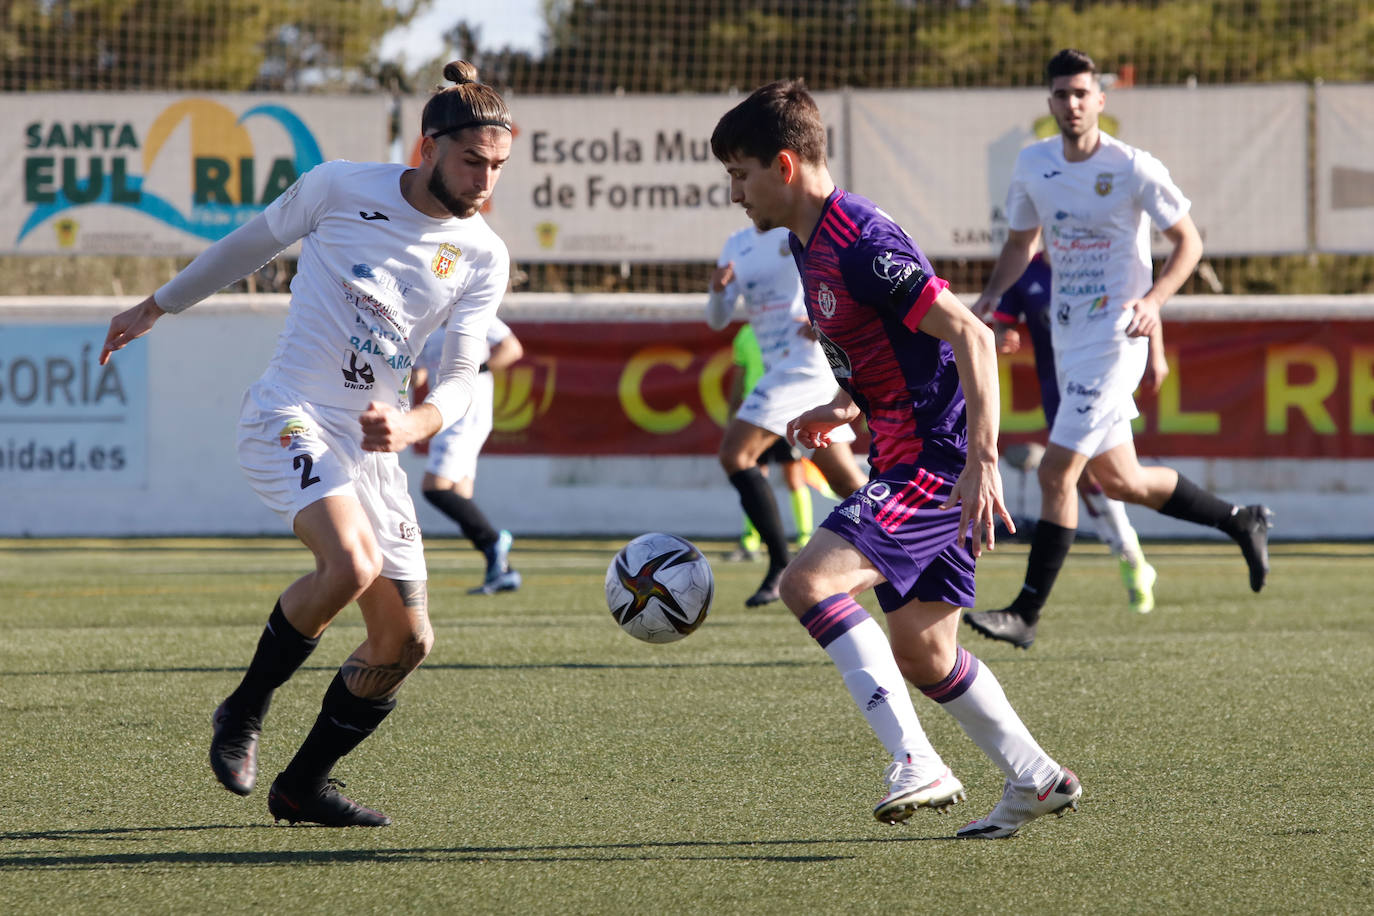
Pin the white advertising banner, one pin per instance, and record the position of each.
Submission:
(163, 174)
(65, 420)
(940, 161)
(619, 178)
(1345, 169)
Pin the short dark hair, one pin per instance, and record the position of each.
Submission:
(779, 116)
(1070, 62)
(469, 103)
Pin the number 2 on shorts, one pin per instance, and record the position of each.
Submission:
(304, 463)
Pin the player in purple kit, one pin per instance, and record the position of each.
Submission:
(1028, 300)
(920, 367)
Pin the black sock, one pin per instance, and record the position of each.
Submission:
(465, 512)
(1049, 546)
(344, 721)
(1194, 504)
(756, 498)
(281, 650)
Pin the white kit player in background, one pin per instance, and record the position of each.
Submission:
(758, 268)
(388, 254)
(1093, 198)
(451, 471)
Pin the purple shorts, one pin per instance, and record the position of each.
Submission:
(893, 520)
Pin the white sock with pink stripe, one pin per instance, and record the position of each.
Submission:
(860, 650)
(973, 696)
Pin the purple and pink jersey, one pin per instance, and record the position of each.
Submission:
(867, 287)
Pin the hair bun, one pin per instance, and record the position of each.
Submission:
(460, 72)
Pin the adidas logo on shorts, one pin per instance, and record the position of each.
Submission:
(851, 512)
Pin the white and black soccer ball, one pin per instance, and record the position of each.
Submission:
(659, 587)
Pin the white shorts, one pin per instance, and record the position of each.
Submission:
(295, 454)
(782, 395)
(1096, 401)
(453, 452)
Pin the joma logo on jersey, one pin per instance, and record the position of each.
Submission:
(444, 259)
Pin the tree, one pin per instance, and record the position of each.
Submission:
(221, 45)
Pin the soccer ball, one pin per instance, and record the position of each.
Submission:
(659, 588)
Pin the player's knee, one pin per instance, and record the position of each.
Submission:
(799, 589)
(353, 570)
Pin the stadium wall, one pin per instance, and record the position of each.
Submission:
(608, 426)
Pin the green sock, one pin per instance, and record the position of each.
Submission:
(801, 514)
(749, 539)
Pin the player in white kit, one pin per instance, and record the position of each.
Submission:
(758, 267)
(388, 254)
(1093, 198)
(451, 471)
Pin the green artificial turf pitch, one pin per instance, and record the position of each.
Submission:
(542, 761)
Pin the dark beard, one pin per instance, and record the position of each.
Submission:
(459, 208)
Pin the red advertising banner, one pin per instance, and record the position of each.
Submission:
(1236, 389)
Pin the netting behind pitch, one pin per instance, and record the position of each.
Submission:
(665, 46)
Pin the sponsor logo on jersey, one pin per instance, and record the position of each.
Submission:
(1081, 390)
(1098, 307)
(1063, 313)
(290, 433)
(1103, 187)
(409, 532)
(383, 278)
(840, 366)
(359, 378)
(886, 266)
(444, 259)
(825, 301)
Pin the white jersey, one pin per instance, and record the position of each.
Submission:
(766, 278)
(375, 278)
(497, 331)
(1095, 220)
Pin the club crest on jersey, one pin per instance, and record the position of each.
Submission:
(825, 301)
(1103, 187)
(444, 259)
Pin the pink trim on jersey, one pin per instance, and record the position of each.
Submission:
(1004, 318)
(844, 236)
(934, 286)
(904, 504)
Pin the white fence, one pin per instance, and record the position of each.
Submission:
(151, 450)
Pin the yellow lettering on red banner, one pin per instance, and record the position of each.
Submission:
(660, 422)
(1362, 390)
(1282, 394)
(1172, 417)
(714, 397)
(1017, 421)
